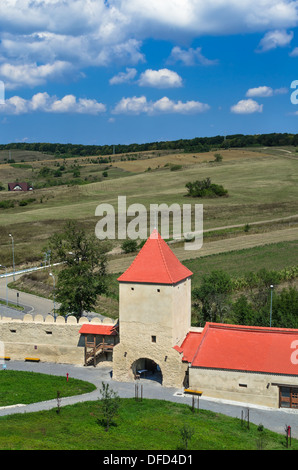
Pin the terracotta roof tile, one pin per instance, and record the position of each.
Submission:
(247, 348)
(92, 329)
(155, 263)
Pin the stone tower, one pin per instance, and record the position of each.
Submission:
(154, 314)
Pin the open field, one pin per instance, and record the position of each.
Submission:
(287, 238)
(261, 186)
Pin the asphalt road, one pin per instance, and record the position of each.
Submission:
(273, 419)
(31, 303)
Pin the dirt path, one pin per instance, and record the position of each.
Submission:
(219, 246)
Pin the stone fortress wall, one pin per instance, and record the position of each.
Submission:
(45, 339)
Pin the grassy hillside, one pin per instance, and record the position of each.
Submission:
(262, 185)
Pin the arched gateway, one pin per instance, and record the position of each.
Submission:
(154, 313)
(146, 368)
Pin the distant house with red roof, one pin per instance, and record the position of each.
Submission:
(20, 187)
(252, 365)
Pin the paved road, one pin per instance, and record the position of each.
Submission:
(274, 419)
(32, 303)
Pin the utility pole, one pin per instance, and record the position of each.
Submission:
(12, 241)
(271, 290)
(51, 274)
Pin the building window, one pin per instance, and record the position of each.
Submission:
(153, 339)
(158, 290)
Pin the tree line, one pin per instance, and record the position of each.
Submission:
(197, 144)
(251, 302)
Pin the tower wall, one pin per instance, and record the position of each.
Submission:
(153, 318)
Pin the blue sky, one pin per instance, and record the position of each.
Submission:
(123, 71)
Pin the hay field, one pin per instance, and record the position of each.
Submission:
(261, 186)
(185, 159)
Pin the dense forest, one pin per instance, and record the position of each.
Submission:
(198, 144)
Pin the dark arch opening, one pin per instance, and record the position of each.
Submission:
(145, 368)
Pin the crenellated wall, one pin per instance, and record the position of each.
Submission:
(46, 339)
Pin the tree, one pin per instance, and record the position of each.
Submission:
(213, 295)
(82, 277)
(243, 312)
(129, 246)
(109, 404)
(218, 157)
(205, 188)
(186, 433)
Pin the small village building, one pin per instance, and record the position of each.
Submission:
(20, 187)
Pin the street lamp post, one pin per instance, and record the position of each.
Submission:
(271, 291)
(12, 241)
(1, 266)
(52, 275)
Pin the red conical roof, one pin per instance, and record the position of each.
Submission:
(155, 263)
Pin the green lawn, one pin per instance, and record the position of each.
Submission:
(17, 387)
(145, 425)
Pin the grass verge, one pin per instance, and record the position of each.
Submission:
(145, 425)
(30, 387)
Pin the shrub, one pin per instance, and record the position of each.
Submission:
(8, 204)
(129, 246)
(205, 188)
(176, 167)
(218, 157)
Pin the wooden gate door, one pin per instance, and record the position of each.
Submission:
(294, 398)
(288, 397)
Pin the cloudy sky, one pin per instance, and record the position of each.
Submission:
(124, 71)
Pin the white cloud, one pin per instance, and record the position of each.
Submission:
(247, 107)
(139, 105)
(261, 91)
(274, 39)
(165, 105)
(92, 24)
(85, 33)
(163, 78)
(132, 105)
(43, 102)
(294, 52)
(172, 18)
(32, 75)
(265, 92)
(123, 77)
(189, 57)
